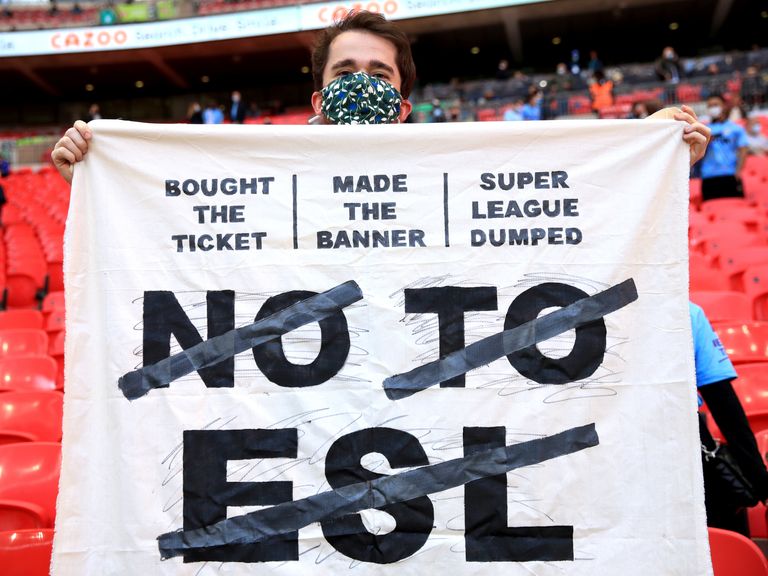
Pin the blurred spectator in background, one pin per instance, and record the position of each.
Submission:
(601, 91)
(712, 85)
(437, 114)
(644, 108)
(7, 12)
(213, 114)
(236, 109)
(3, 200)
(563, 81)
(195, 113)
(502, 70)
(594, 64)
(253, 110)
(532, 108)
(514, 112)
(756, 140)
(724, 158)
(753, 88)
(5, 167)
(76, 10)
(668, 67)
(94, 113)
(736, 109)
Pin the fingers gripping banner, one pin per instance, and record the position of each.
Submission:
(405, 349)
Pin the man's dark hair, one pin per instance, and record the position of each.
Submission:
(363, 21)
(716, 95)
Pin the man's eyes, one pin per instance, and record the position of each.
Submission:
(382, 75)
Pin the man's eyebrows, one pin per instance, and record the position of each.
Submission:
(351, 63)
(343, 63)
(382, 65)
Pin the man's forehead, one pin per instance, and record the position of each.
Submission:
(361, 46)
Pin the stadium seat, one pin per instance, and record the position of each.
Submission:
(703, 234)
(745, 342)
(28, 373)
(735, 262)
(756, 288)
(34, 416)
(31, 474)
(754, 399)
(694, 192)
(20, 516)
(55, 321)
(757, 516)
(26, 552)
(13, 319)
(735, 555)
(704, 277)
(719, 206)
(53, 301)
(723, 306)
(726, 243)
(16, 343)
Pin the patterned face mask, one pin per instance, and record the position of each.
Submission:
(361, 99)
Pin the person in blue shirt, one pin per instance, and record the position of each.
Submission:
(722, 164)
(714, 373)
(532, 108)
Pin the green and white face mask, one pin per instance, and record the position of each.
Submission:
(360, 99)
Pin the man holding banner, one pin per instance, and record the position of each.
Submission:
(461, 348)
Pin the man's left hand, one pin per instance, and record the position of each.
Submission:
(696, 134)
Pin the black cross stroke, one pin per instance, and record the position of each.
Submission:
(214, 350)
(289, 517)
(509, 341)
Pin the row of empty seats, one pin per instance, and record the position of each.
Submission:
(33, 230)
(31, 410)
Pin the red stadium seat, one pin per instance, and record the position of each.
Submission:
(26, 552)
(723, 306)
(745, 342)
(53, 301)
(735, 555)
(12, 319)
(736, 261)
(712, 238)
(758, 515)
(16, 343)
(28, 373)
(689, 93)
(754, 399)
(756, 288)
(704, 277)
(20, 516)
(55, 322)
(724, 245)
(694, 191)
(31, 474)
(579, 105)
(718, 206)
(35, 415)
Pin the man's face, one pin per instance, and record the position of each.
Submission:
(356, 51)
(715, 107)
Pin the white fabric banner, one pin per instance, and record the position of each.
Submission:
(458, 348)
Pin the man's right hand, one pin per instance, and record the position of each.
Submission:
(71, 148)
